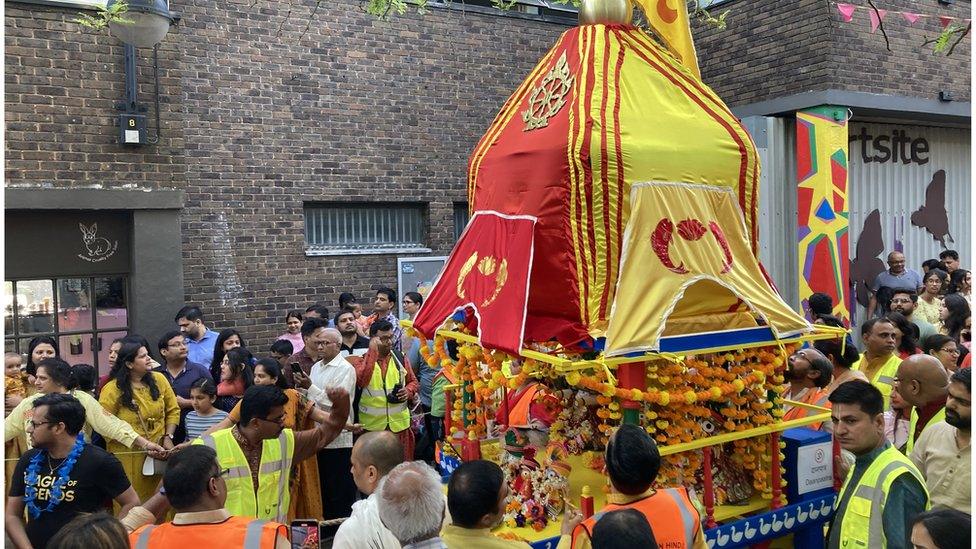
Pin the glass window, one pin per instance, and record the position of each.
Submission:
(91, 312)
(376, 227)
(110, 303)
(74, 305)
(460, 218)
(35, 306)
(8, 307)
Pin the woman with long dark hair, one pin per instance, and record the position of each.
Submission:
(38, 349)
(236, 375)
(226, 340)
(145, 400)
(56, 376)
(955, 310)
(961, 282)
(907, 341)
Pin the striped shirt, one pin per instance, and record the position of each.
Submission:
(197, 424)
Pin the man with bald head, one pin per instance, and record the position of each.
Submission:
(332, 371)
(897, 277)
(922, 382)
(808, 373)
(374, 455)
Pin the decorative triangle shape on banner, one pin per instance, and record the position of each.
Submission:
(945, 20)
(911, 17)
(846, 11)
(876, 17)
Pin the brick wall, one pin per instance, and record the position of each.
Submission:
(774, 49)
(355, 109)
(61, 88)
(260, 116)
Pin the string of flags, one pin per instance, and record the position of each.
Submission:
(875, 17)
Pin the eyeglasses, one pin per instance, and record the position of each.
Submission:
(280, 420)
(177, 344)
(951, 350)
(221, 473)
(36, 424)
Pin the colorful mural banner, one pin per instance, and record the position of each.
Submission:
(822, 220)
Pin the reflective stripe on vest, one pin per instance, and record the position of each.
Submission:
(233, 532)
(376, 413)
(657, 508)
(273, 497)
(143, 542)
(913, 423)
(884, 378)
(862, 522)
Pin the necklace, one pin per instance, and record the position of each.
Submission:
(56, 493)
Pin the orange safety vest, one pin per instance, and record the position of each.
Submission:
(673, 519)
(244, 532)
(816, 397)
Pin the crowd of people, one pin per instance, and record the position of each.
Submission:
(900, 409)
(216, 442)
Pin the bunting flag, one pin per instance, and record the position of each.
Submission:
(876, 17)
(847, 12)
(672, 26)
(910, 17)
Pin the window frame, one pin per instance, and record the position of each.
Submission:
(17, 337)
(326, 250)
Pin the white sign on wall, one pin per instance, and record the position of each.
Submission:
(814, 468)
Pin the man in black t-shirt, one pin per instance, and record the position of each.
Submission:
(95, 477)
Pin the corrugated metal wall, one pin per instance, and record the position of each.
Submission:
(775, 140)
(897, 189)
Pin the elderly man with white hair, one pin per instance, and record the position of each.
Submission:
(332, 371)
(411, 505)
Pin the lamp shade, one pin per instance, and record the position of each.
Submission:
(150, 21)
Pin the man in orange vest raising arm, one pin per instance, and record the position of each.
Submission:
(196, 487)
(633, 461)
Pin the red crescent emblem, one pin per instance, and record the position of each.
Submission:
(690, 230)
(665, 12)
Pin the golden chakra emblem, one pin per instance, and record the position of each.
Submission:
(549, 97)
(488, 266)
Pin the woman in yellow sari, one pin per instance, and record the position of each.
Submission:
(143, 399)
(300, 414)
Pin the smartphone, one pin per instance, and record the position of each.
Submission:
(295, 367)
(304, 534)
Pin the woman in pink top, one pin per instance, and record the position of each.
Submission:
(293, 322)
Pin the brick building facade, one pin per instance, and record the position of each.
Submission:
(259, 118)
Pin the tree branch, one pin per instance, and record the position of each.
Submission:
(880, 24)
(961, 36)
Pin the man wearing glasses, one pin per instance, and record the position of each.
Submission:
(61, 476)
(181, 374)
(260, 452)
(196, 487)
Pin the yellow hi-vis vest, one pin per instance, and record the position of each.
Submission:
(861, 525)
(939, 416)
(884, 378)
(376, 413)
(273, 497)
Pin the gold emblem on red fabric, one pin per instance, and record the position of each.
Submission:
(549, 97)
(488, 266)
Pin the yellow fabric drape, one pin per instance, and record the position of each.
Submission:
(669, 19)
